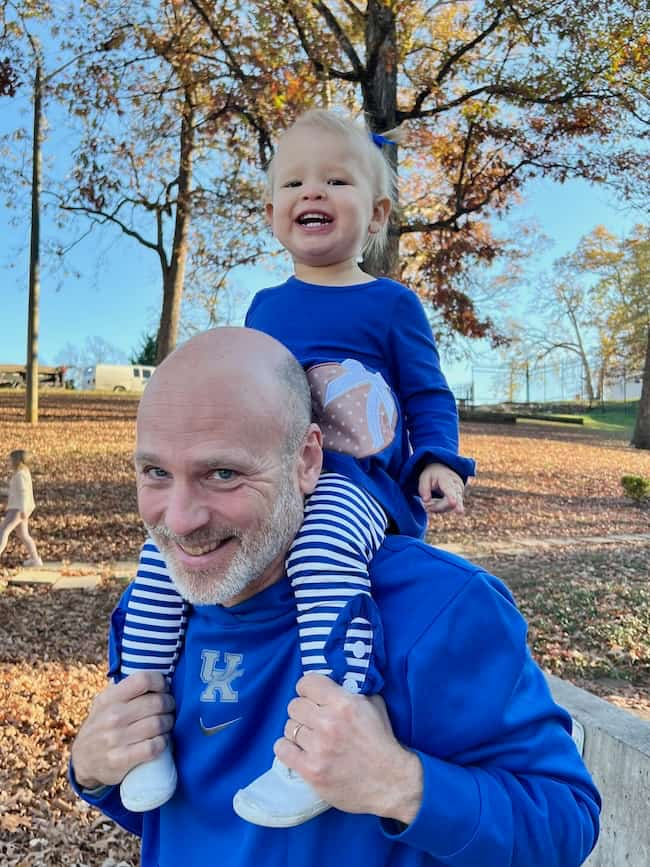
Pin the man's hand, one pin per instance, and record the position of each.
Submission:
(343, 745)
(128, 724)
(439, 478)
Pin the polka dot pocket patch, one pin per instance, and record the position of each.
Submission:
(354, 407)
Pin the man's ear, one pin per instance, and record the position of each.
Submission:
(310, 459)
(268, 210)
(380, 214)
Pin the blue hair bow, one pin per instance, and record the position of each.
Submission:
(381, 140)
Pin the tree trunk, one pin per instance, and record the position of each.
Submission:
(31, 395)
(174, 275)
(589, 386)
(586, 369)
(380, 108)
(600, 388)
(641, 435)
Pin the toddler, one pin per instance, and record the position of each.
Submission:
(20, 505)
(390, 431)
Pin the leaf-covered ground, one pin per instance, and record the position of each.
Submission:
(545, 491)
(52, 663)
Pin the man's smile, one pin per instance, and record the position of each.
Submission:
(205, 548)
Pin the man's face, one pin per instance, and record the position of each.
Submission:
(217, 493)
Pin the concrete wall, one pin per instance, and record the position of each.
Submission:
(616, 749)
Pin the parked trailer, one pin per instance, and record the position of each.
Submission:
(116, 377)
(15, 375)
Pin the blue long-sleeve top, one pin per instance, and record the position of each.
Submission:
(503, 783)
(383, 326)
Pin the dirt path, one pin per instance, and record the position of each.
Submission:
(530, 544)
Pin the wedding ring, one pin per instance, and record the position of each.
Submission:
(294, 733)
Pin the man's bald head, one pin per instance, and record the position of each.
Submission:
(225, 455)
(263, 371)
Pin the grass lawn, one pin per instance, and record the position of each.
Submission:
(613, 418)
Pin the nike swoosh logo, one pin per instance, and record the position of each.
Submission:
(212, 730)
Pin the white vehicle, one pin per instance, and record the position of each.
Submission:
(116, 377)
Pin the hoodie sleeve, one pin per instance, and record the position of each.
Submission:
(427, 402)
(107, 798)
(503, 780)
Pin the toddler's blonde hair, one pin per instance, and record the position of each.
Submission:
(19, 457)
(381, 173)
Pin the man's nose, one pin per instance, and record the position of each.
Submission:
(185, 512)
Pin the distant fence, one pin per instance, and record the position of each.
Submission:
(545, 383)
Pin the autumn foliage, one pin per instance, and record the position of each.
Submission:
(176, 106)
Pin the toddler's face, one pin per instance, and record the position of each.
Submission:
(322, 207)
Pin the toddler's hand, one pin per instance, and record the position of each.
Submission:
(439, 478)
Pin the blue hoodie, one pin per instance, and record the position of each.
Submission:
(504, 785)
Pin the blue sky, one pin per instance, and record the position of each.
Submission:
(117, 296)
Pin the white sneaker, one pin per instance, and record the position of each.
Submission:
(280, 798)
(151, 784)
(33, 561)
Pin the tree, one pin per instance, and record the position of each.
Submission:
(622, 267)
(17, 28)
(641, 435)
(182, 105)
(154, 86)
(95, 350)
(8, 78)
(148, 351)
(633, 312)
(596, 306)
(565, 322)
(493, 95)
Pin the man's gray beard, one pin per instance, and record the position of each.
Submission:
(256, 551)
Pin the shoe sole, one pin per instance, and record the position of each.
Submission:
(141, 790)
(246, 810)
(142, 805)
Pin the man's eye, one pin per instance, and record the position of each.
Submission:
(224, 475)
(154, 473)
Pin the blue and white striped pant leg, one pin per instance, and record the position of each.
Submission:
(156, 617)
(328, 568)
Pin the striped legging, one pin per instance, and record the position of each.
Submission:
(156, 616)
(327, 565)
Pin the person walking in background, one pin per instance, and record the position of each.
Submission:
(20, 505)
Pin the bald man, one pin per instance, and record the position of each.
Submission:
(471, 766)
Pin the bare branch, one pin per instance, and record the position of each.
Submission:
(463, 166)
(311, 54)
(343, 40)
(354, 9)
(462, 50)
(451, 222)
(102, 217)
